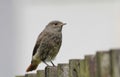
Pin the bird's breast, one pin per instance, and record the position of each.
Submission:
(50, 46)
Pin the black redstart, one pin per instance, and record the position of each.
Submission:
(47, 45)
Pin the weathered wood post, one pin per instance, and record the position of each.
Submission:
(91, 65)
(50, 71)
(31, 75)
(82, 68)
(63, 70)
(40, 73)
(103, 64)
(115, 62)
(74, 68)
(79, 68)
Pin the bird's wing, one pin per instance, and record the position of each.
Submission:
(42, 34)
(35, 49)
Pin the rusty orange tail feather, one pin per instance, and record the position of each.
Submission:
(31, 67)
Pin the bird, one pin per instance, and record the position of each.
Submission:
(47, 45)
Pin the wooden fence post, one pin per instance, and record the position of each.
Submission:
(50, 71)
(82, 68)
(63, 70)
(115, 62)
(91, 67)
(103, 64)
(31, 75)
(40, 73)
(74, 68)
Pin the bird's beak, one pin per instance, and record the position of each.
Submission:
(64, 24)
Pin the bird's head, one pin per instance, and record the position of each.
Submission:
(56, 25)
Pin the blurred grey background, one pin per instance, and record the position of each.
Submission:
(92, 25)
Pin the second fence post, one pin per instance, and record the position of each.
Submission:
(50, 71)
(63, 70)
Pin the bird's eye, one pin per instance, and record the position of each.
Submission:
(56, 24)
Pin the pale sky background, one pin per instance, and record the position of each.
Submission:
(91, 26)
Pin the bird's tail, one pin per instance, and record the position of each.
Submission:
(32, 67)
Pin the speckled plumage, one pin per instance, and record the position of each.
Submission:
(47, 45)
